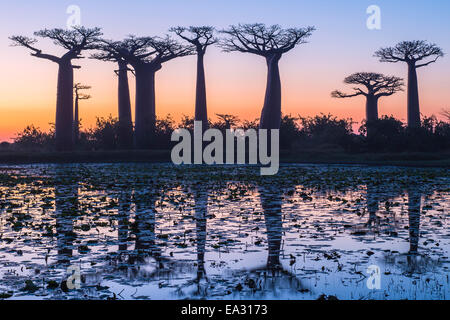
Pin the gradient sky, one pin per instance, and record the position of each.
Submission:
(341, 45)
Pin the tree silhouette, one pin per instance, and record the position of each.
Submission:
(114, 52)
(446, 113)
(78, 96)
(147, 55)
(200, 38)
(376, 86)
(226, 121)
(74, 41)
(270, 42)
(412, 52)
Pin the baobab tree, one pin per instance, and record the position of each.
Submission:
(114, 51)
(147, 55)
(270, 42)
(375, 86)
(200, 38)
(226, 121)
(74, 41)
(416, 54)
(78, 96)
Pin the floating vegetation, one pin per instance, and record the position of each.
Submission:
(156, 231)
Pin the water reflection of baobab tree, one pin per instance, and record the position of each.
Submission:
(66, 209)
(201, 282)
(414, 261)
(273, 277)
(372, 206)
(146, 252)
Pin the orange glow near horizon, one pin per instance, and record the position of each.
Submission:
(232, 89)
(235, 82)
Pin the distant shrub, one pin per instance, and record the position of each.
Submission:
(105, 134)
(391, 135)
(387, 134)
(225, 122)
(326, 130)
(32, 138)
(322, 133)
(246, 125)
(187, 123)
(163, 133)
(5, 145)
(433, 135)
(289, 132)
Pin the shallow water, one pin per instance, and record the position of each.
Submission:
(155, 231)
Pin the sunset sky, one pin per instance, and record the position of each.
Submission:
(236, 82)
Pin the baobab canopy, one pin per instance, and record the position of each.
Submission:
(200, 37)
(375, 83)
(263, 40)
(374, 86)
(411, 51)
(74, 41)
(270, 42)
(146, 55)
(416, 54)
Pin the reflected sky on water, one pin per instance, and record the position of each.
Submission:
(156, 231)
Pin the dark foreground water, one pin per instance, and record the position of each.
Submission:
(138, 231)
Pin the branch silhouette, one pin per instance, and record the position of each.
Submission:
(75, 41)
(120, 52)
(200, 38)
(373, 86)
(78, 96)
(412, 52)
(270, 42)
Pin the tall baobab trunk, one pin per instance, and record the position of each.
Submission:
(145, 107)
(64, 107)
(201, 111)
(76, 121)
(125, 121)
(371, 112)
(372, 108)
(271, 113)
(413, 97)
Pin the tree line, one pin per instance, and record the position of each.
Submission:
(321, 133)
(144, 56)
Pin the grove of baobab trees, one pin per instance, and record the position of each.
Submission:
(376, 85)
(144, 56)
(270, 43)
(412, 52)
(74, 41)
(147, 55)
